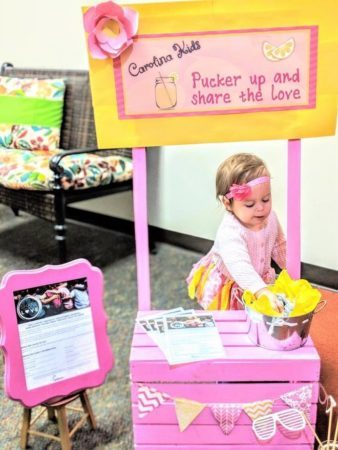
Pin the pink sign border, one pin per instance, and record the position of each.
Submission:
(14, 378)
(312, 76)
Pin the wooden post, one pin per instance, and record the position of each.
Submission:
(88, 409)
(26, 420)
(293, 255)
(63, 427)
(141, 228)
(51, 414)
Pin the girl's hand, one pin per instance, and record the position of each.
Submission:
(276, 304)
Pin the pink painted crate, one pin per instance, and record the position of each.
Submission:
(248, 374)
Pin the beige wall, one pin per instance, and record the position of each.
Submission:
(40, 33)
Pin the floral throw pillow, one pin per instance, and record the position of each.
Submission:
(5, 135)
(32, 109)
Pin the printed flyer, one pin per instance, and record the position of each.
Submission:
(56, 332)
(184, 336)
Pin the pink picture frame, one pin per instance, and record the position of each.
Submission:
(54, 344)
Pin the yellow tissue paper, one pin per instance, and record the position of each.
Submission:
(300, 292)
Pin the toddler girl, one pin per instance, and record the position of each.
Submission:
(247, 238)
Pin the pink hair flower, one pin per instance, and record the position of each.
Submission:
(242, 191)
(110, 29)
(239, 191)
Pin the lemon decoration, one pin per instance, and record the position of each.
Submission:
(273, 53)
(285, 50)
(268, 50)
(174, 75)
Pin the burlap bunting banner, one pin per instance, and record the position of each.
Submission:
(187, 411)
(226, 414)
(258, 409)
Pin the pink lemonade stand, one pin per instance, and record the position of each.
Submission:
(249, 374)
(231, 75)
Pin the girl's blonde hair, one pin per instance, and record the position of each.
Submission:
(239, 169)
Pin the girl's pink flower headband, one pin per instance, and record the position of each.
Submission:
(243, 191)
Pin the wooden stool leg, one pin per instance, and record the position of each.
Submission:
(26, 420)
(63, 428)
(88, 409)
(51, 413)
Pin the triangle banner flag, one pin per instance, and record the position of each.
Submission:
(149, 399)
(299, 399)
(187, 411)
(226, 415)
(258, 409)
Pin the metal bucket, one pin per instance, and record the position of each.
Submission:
(280, 333)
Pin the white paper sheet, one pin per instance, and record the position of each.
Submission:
(192, 338)
(58, 348)
(184, 336)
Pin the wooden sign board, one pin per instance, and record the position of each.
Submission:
(215, 71)
(53, 331)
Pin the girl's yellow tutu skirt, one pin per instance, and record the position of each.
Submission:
(212, 289)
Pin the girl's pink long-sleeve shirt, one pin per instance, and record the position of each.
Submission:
(245, 255)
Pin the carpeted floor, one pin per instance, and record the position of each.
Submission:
(26, 243)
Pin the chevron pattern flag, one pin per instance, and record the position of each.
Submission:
(299, 399)
(149, 399)
(226, 415)
(258, 409)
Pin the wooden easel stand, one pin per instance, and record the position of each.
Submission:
(58, 411)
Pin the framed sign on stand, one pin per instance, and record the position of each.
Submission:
(53, 332)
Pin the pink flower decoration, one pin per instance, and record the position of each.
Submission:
(99, 22)
(239, 191)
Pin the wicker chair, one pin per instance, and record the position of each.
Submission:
(77, 136)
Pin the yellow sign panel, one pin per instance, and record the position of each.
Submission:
(217, 71)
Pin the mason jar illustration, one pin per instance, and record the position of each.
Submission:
(165, 92)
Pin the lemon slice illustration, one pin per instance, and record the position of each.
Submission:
(284, 50)
(268, 50)
(273, 53)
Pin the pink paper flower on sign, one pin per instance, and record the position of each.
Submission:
(110, 29)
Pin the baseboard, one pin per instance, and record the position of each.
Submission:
(315, 274)
(320, 275)
(100, 220)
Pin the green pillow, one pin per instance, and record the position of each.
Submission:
(33, 108)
